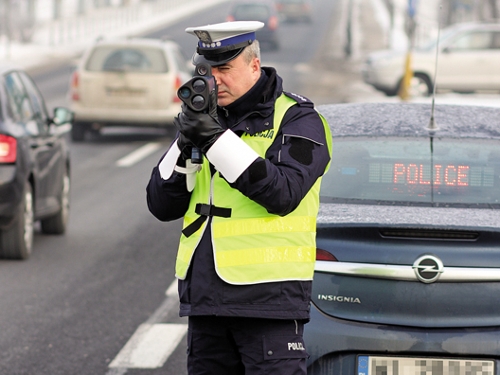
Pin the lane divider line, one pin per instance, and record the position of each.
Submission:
(138, 154)
(150, 346)
(153, 341)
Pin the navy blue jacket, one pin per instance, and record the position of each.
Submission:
(292, 164)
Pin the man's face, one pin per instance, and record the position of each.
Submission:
(235, 78)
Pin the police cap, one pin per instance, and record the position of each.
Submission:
(222, 42)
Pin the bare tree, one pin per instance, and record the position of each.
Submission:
(57, 11)
(494, 9)
(390, 8)
(81, 7)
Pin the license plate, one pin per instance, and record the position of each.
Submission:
(124, 92)
(372, 365)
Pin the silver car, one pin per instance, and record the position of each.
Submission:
(127, 82)
(468, 61)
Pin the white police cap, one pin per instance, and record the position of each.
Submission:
(222, 42)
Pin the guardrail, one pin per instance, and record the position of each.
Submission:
(69, 35)
(113, 21)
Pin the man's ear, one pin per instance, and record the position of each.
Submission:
(255, 65)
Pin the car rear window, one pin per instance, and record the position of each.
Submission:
(129, 59)
(245, 12)
(398, 171)
(291, 1)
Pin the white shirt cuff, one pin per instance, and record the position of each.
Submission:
(169, 162)
(231, 156)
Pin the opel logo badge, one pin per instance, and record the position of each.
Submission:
(428, 268)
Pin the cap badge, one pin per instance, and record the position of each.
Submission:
(204, 36)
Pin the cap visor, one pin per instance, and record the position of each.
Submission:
(215, 59)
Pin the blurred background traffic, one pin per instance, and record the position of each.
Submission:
(36, 32)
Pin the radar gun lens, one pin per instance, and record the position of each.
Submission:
(198, 102)
(199, 85)
(184, 92)
(202, 70)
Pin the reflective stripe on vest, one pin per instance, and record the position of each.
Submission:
(254, 246)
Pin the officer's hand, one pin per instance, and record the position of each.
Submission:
(199, 128)
(185, 145)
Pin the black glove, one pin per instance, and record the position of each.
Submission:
(185, 145)
(198, 127)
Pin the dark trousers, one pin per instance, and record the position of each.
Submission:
(245, 346)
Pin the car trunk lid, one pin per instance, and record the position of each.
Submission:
(385, 288)
(126, 90)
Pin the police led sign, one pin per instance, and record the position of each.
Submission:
(418, 174)
(457, 175)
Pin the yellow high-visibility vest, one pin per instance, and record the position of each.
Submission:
(252, 245)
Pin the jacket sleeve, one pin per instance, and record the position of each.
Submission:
(293, 163)
(167, 199)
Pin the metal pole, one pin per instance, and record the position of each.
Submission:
(404, 91)
(348, 43)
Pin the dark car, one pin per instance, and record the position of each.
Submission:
(407, 275)
(34, 164)
(295, 10)
(258, 10)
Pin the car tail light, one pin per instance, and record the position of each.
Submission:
(177, 85)
(75, 82)
(230, 18)
(8, 149)
(273, 23)
(325, 255)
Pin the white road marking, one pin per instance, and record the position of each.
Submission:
(153, 342)
(138, 154)
(150, 346)
(172, 289)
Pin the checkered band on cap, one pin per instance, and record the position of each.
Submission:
(232, 41)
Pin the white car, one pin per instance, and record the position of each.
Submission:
(127, 82)
(468, 61)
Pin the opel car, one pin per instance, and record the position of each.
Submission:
(408, 242)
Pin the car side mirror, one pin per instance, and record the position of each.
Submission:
(62, 116)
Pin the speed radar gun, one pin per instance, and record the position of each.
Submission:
(200, 95)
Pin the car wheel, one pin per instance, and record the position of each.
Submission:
(17, 241)
(78, 131)
(57, 223)
(389, 93)
(420, 85)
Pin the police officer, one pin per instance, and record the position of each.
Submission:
(247, 250)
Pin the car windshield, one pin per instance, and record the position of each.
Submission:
(382, 170)
(430, 45)
(129, 59)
